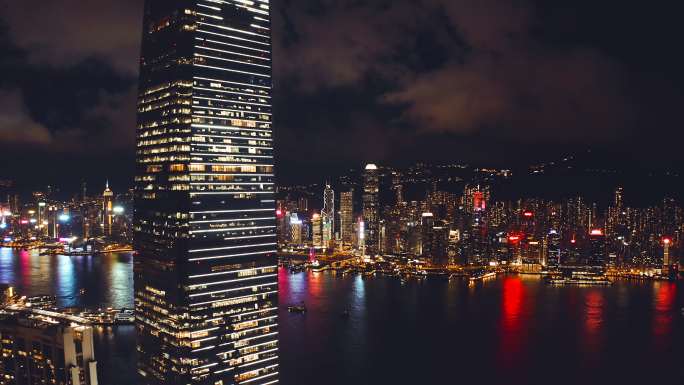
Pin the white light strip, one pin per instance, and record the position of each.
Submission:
(259, 378)
(209, 6)
(254, 338)
(230, 118)
(234, 154)
(246, 138)
(233, 255)
(225, 146)
(260, 361)
(230, 164)
(232, 37)
(193, 194)
(229, 211)
(232, 101)
(204, 366)
(232, 45)
(235, 271)
(230, 82)
(199, 107)
(231, 281)
(232, 298)
(231, 92)
(232, 220)
(255, 311)
(210, 16)
(234, 289)
(233, 229)
(222, 127)
(201, 349)
(236, 30)
(231, 70)
(232, 53)
(232, 60)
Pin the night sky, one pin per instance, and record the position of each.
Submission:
(491, 82)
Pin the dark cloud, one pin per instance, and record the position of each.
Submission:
(16, 126)
(377, 80)
(65, 32)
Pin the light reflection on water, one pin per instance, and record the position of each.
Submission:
(509, 330)
(107, 279)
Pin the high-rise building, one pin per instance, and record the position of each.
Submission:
(427, 234)
(41, 347)
(371, 208)
(328, 212)
(205, 227)
(317, 230)
(347, 217)
(107, 210)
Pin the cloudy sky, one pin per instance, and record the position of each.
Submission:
(390, 81)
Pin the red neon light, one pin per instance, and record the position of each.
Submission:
(514, 238)
(528, 214)
(667, 241)
(24, 222)
(279, 212)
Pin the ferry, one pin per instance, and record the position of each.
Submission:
(482, 276)
(125, 316)
(301, 309)
(580, 279)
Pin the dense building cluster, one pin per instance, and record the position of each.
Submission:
(43, 347)
(471, 227)
(84, 222)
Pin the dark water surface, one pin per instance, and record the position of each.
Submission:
(511, 330)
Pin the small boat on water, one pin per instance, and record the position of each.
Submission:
(345, 314)
(301, 309)
(125, 316)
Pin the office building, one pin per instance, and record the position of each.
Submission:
(205, 225)
(347, 217)
(371, 209)
(41, 347)
(107, 210)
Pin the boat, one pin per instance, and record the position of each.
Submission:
(345, 314)
(125, 316)
(301, 309)
(82, 291)
(580, 279)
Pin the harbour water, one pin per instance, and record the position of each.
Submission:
(512, 330)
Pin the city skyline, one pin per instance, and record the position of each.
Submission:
(257, 192)
(634, 91)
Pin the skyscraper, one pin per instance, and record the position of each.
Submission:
(328, 215)
(206, 274)
(371, 207)
(107, 210)
(347, 217)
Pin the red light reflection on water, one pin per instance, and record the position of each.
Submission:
(665, 295)
(593, 338)
(511, 329)
(593, 315)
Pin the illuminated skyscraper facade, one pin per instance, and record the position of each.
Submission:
(371, 208)
(107, 210)
(347, 217)
(328, 215)
(205, 225)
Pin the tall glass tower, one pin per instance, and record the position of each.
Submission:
(206, 285)
(371, 208)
